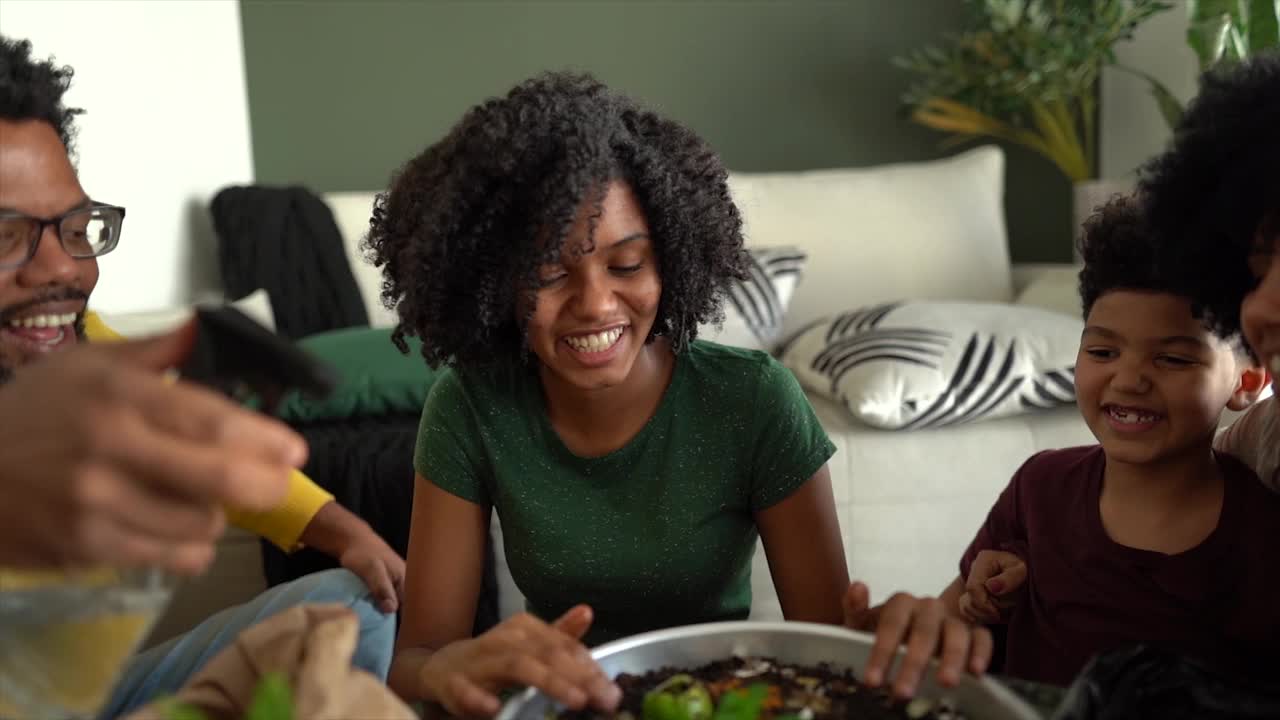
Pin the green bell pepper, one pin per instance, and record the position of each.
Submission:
(679, 697)
(742, 704)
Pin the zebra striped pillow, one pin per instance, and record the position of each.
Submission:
(755, 308)
(913, 365)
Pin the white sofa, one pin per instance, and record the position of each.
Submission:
(908, 502)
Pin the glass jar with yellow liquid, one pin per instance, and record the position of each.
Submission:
(66, 636)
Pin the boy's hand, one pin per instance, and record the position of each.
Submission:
(927, 628)
(343, 536)
(996, 583)
(380, 567)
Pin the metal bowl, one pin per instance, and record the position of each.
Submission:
(788, 642)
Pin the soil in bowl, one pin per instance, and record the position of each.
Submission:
(760, 689)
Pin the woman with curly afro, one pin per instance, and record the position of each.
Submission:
(1214, 200)
(558, 250)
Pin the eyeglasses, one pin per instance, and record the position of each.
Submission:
(84, 233)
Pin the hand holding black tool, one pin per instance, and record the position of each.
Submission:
(239, 357)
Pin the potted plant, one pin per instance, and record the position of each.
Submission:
(1222, 32)
(1026, 71)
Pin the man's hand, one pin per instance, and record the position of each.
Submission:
(104, 462)
(926, 628)
(996, 583)
(342, 535)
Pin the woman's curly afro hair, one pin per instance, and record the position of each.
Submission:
(33, 90)
(1217, 185)
(466, 224)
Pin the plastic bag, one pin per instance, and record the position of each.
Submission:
(65, 636)
(1146, 682)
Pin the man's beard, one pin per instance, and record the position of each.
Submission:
(6, 371)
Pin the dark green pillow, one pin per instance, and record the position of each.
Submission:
(374, 378)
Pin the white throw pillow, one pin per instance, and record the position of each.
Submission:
(913, 365)
(931, 231)
(756, 308)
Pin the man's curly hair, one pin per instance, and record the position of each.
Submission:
(1122, 251)
(33, 90)
(1217, 185)
(463, 229)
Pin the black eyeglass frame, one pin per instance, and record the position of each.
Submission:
(56, 223)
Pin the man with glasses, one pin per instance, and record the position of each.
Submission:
(104, 463)
(52, 318)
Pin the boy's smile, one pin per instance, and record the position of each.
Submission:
(1151, 380)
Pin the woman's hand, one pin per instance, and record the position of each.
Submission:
(926, 628)
(466, 676)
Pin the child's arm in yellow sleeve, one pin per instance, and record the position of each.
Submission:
(284, 524)
(310, 517)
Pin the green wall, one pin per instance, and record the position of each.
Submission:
(342, 92)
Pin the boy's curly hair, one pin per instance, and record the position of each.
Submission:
(1119, 252)
(33, 89)
(466, 224)
(1217, 185)
(1122, 251)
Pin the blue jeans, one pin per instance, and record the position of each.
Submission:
(164, 668)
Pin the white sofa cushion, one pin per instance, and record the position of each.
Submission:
(906, 366)
(756, 308)
(1054, 288)
(931, 230)
(257, 305)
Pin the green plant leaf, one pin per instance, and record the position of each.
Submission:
(272, 699)
(1169, 105)
(174, 709)
(1025, 71)
(1210, 30)
(1262, 25)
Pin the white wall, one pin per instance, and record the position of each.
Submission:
(1131, 127)
(166, 125)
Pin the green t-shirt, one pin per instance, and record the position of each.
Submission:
(656, 534)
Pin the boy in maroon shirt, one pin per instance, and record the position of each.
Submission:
(1149, 536)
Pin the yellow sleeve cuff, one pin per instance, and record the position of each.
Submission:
(283, 525)
(97, 331)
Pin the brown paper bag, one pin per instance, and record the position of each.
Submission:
(311, 645)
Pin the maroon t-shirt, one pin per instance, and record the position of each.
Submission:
(1087, 594)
